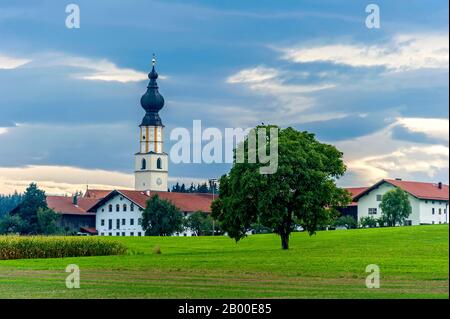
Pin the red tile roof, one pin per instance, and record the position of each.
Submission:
(64, 205)
(355, 191)
(186, 202)
(96, 193)
(421, 190)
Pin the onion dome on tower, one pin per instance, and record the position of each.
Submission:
(152, 101)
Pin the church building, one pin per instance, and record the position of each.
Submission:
(119, 212)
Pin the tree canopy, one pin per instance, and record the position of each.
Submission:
(161, 218)
(302, 188)
(395, 206)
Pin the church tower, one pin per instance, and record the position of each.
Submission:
(151, 162)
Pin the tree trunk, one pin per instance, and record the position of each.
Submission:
(284, 241)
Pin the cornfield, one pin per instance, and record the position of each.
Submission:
(26, 247)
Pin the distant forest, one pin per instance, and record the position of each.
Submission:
(200, 188)
(9, 202)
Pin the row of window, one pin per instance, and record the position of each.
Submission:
(121, 234)
(440, 211)
(120, 222)
(438, 202)
(158, 164)
(124, 208)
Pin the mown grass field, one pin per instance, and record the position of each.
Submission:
(414, 263)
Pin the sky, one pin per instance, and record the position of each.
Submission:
(69, 98)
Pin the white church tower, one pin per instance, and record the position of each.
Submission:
(151, 163)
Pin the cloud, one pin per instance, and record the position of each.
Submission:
(89, 68)
(434, 128)
(375, 156)
(7, 62)
(288, 98)
(3, 130)
(62, 180)
(403, 52)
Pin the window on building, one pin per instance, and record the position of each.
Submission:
(132, 234)
(139, 234)
(432, 202)
(117, 234)
(124, 207)
(372, 211)
(131, 207)
(117, 223)
(123, 221)
(440, 211)
(379, 198)
(102, 234)
(426, 202)
(408, 222)
(103, 209)
(109, 223)
(117, 208)
(159, 163)
(131, 222)
(432, 211)
(139, 221)
(109, 234)
(432, 222)
(143, 164)
(185, 214)
(102, 222)
(123, 233)
(110, 207)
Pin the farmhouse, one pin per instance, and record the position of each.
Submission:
(120, 212)
(429, 201)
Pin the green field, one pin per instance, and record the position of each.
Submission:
(414, 263)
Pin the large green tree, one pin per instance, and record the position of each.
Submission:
(302, 189)
(161, 218)
(33, 200)
(395, 206)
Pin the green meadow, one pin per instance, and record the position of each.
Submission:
(413, 262)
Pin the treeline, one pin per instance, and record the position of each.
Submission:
(9, 202)
(200, 188)
(28, 214)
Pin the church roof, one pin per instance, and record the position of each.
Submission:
(152, 101)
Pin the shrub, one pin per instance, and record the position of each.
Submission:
(368, 221)
(346, 221)
(17, 247)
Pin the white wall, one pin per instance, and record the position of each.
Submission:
(426, 212)
(148, 179)
(370, 201)
(124, 230)
(127, 229)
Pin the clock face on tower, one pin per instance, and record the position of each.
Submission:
(159, 181)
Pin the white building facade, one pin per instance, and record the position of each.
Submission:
(429, 202)
(120, 212)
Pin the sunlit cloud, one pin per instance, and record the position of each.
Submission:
(435, 128)
(373, 157)
(66, 180)
(8, 62)
(403, 52)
